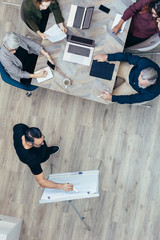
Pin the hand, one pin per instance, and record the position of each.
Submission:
(67, 187)
(62, 27)
(116, 29)
(42, 73)
(106, 95)
(101, 58)
(42, 35)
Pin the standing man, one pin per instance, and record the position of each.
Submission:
(141, 78)
(32, 150)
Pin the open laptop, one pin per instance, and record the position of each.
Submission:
(80, 17)
(79, 50)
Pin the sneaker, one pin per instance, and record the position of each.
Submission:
(53, 149)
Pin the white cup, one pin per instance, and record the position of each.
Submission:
(66, 82)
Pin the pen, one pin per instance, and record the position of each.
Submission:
(118, 31)
(101, 95)
(75, 189)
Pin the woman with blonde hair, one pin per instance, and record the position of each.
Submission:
(36, 13)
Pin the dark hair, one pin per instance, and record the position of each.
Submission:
(156, 6)
(32, 133)
(38, 2)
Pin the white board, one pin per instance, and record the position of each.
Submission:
(86, 185)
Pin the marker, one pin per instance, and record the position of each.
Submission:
(102, 94)
(75, 189)
(80, 172)
(118, 31)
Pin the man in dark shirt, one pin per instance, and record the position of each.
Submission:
(32, 150)
(143, 78)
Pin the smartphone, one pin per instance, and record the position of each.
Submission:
(104, 9)
(51, 65)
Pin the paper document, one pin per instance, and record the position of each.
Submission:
(55, 34)
(49, 75)
(116, 21)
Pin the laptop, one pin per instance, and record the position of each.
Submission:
(79, 50)
(80, 17)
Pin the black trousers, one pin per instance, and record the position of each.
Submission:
(44, 20)
(132, 40)
(29, 68)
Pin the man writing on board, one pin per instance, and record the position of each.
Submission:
(32, 150)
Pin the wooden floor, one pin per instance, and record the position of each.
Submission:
(126, 139)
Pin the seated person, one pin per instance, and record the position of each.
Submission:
(145, 21)
(36, 13)
(141, 78)
(18, 56)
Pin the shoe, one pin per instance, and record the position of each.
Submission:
(53, 149)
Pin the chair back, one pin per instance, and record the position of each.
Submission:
(146, 45)
(6, 78)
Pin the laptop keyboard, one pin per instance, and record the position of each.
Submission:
(79, 50)
(78, 17)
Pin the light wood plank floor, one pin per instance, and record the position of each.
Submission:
(126, 139)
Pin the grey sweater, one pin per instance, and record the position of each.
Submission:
(12, 64)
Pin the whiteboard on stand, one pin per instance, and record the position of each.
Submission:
(86, 185)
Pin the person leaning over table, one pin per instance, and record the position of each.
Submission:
(32, 150)
(36, 13)
(141, 78)
(145, 21)
(18, 55)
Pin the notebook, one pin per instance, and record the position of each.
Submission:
(49, 75)
(79, 50)
(80, 17)
(102, 70)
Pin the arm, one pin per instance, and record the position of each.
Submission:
(30, 11)
(130, 12)
(134, 9)
(17, 72)
(54, 7)
(30, 43)
(133, 98)
(129, 99)
(29, 17)
(47, 56)
(49, 184)
(123, 57)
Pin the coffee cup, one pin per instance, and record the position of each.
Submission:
(66, 82)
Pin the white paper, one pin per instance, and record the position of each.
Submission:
(116, 21)
(55, 34)
(49, 75)
(86, 185)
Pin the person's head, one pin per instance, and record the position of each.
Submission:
(42, 4)
(147, 77)
(34, 137)
(154, 8)
(11, 42)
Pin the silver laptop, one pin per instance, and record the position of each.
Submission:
(79, 50)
